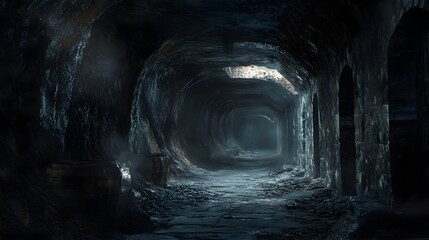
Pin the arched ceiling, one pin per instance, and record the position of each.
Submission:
(159, 49)
(296, 37)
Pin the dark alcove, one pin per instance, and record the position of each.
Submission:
(408, 114)
(347, 132)
(316, 157)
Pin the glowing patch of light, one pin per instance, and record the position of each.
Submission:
(266, 117)
(126, 173)
(261, 73)
(256, 45)
(126, 178)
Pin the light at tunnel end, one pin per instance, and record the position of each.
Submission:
(261, 73)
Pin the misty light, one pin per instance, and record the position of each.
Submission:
(260, 73)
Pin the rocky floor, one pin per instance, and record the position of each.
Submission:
(253, 204)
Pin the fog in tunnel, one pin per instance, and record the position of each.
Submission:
(227, 119)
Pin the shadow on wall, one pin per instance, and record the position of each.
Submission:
(408, 108)
(347, 132)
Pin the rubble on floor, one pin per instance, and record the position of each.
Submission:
(248, 205)
(160, 202)
(321, 216)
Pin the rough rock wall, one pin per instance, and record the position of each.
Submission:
(367, 57)
(43, 46)
(291, 133)
(149, 111)
(306, 135)
(69, 26)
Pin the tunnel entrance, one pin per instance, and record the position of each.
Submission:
(408, 108)
(347, 132)
(316, 157)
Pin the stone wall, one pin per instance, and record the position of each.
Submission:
(367, 57)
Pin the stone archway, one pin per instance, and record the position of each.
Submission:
(408, 107)
(347, 132)
(316, 144)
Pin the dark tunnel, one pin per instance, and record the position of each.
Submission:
(198, 119)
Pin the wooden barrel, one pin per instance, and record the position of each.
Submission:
(160, 170)
(155, 168)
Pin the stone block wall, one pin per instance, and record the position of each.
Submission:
(368, 58)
